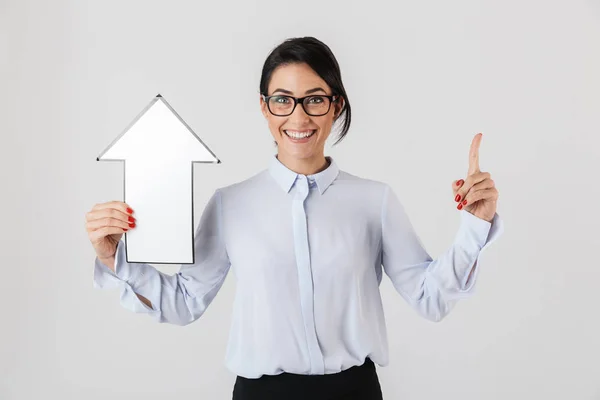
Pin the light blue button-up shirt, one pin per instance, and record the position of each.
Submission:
(308, 254)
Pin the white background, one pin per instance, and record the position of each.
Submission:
(422, 79)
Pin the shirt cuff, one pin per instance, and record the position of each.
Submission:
(473, 232)
(473, 237)
(127, 277)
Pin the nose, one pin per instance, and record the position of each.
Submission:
(299, 114)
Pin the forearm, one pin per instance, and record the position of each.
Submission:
(471, 273)
(109, 262)
(144, 300)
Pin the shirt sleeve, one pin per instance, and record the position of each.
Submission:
(432, 286)
(180, 298)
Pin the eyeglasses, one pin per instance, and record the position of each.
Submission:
(315, 105)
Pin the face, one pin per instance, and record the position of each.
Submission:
(299, 80)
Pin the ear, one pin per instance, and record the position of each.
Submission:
(263, 106)
(338, 107)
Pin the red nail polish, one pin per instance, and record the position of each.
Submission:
(132, 225)
(129, 210)
(457, 198)
(464, 202)
(131, 219)
(459, 206)
(125, 229)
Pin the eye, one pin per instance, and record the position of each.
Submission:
(280, 100)
(316, 100)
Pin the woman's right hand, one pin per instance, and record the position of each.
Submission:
(105, 225)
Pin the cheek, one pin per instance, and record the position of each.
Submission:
(275, 125)
(325, 125)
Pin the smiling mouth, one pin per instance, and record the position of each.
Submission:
(300, 134)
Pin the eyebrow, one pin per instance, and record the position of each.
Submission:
(317, 89)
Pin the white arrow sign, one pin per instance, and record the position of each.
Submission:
(158, 149)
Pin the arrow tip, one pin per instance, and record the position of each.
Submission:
(97, 158)
(158, 95)
(218, 161)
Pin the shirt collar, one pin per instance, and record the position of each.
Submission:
(285, 177)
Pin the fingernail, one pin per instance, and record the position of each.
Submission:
(129, 210)
(464, 202)
(125, 229)
(459, 206)
(131, 219)
(132, 224)
(457, 198)
(460, 182)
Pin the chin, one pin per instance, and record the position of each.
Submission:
(299, 155)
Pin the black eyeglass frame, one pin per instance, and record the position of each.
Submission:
(332, 99)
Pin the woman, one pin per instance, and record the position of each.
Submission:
(308, 243)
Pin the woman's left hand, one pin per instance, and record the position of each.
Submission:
(477, 193)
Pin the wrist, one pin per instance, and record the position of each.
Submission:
(108, 261)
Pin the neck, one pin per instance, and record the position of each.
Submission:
(308, 166)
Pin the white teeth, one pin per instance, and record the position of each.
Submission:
(299, 134)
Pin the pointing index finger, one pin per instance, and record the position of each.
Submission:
(474, 154)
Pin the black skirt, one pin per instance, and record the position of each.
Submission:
(356, 383)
